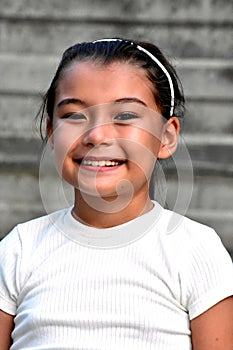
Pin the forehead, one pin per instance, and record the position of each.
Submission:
(90, 67)
(104, 83)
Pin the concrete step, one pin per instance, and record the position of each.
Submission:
(210, 116)
(208, 154)
(215, 151)
(19, 153)
(49, 37)
(210, 193)
(18, 114)
(32, 74)
(25, 196)
(33, 34)
(195, 11)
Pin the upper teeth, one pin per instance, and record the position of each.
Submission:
(100, 162)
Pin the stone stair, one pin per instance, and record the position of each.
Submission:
(195, 35)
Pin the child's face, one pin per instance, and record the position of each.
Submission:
(107, 129)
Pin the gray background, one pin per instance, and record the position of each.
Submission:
(196, 35)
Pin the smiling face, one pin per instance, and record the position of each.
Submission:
(107, 129)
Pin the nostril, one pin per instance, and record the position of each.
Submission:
(95, 139)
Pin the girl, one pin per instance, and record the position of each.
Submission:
(115, 271)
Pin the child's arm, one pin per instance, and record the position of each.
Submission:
(214, 328)
(6, 327)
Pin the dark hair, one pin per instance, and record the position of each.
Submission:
(121, 50)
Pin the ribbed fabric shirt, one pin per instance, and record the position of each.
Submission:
(134, 286)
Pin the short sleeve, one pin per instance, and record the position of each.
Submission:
(10, 258)
(206, 272)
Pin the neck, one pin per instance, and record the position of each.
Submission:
(104, 213)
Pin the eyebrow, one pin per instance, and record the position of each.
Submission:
(130, 100)
(67, 101)
(77, 101)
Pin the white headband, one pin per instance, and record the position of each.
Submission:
(140, 48)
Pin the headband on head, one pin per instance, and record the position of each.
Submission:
(155, 59)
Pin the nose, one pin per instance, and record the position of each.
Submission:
(98, 135)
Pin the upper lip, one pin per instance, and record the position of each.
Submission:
(80, 159)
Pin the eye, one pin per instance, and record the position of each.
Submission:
(74, 116)
(125, 116)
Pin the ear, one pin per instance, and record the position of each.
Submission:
(49, 128)
(170, 138)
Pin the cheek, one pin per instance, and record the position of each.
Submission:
(142, 153)
(149, 134)
(65, 137)
(144, 143)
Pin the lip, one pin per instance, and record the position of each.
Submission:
(110, 163)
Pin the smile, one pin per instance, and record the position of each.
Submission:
(101, 163)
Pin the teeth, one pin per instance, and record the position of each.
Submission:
(100, 163)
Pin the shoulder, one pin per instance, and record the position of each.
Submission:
(204, 266)
(177, 226)
(182, 239)
(192, 241)
(23, 248)
(45, 220)
(34, 230)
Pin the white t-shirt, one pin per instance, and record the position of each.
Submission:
(134, 286)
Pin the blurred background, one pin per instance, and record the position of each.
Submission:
(196, 36)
